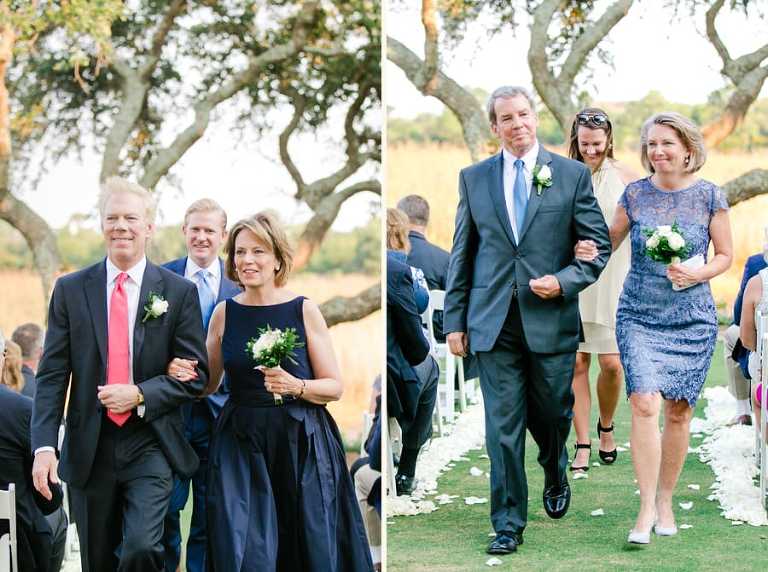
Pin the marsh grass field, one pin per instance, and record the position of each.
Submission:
(432, 171)
(359, 345)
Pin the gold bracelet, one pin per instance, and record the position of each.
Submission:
(303, 387)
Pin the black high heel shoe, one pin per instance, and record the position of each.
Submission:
(578, 446)
(607, 457)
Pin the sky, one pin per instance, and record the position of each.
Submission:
(650, 49)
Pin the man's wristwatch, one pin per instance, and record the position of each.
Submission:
(139, 397)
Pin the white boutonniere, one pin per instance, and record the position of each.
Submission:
(542, 178)
(155, 307)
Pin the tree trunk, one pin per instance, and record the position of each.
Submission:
(340, 309)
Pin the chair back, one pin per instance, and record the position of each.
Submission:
(761, 323)
(8, 512)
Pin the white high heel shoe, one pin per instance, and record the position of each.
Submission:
(665, 531)
(639, 537)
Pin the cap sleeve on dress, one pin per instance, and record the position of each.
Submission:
(718, 202)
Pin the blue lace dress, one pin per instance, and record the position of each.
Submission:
(666, 338)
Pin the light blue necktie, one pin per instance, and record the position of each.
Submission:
(206, 295)
(520, 196)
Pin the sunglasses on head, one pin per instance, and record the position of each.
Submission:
(596, 119)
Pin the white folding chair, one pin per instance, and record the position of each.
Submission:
(8, 512)
(445, 391)
(761, 321)
(392, 439)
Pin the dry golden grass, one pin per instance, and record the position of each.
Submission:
(21, 300)
(432, 171)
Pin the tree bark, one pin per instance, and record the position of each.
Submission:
(744, 187)
(747, 75)
(340, 309)
(462, 103)
(556, 91)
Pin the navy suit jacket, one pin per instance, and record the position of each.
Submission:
(406, 344)
(432, 260)
(754, 265)
(227, 289)
(488, 265)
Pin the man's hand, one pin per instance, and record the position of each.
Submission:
(546, 287)
(43, 469)
(457, 343)
(585, 250)
(119, 397)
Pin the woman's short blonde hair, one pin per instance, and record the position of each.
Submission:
(11, 374)
(270, 232)
(116, 185)
(397, 231)
(688, 132)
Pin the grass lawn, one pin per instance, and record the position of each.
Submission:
(455, 536)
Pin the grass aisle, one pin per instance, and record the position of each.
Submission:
(456, 535)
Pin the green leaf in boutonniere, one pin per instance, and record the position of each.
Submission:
(542, 178)
(155, 307)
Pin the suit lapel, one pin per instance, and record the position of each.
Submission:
(96, 297)
(534, 202)
(496, 189)
(151, 282)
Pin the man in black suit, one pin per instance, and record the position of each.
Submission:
(410, 396)
(205, 231)
(115, 327)
(40, 546)
(29, 337)
(512, 299)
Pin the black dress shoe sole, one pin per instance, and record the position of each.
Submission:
(501, 550)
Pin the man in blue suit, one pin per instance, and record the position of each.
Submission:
(512, 299)
(205, 224)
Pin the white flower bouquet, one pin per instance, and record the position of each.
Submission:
(666, 244)
(272, 347)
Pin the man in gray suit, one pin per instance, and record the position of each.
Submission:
(512, 299)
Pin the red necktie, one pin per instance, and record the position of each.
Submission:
(118, 353)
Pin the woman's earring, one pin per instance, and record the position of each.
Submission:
(687, 159)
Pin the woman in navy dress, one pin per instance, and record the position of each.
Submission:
(280, 497)
(666, 337)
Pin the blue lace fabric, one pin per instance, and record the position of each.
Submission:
(666, 338)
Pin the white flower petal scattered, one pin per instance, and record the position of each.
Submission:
(475, 472)
(598, 512)
(686, 505)
(595, 464)
(694, 487)
(686, 526)
(737, 523)
(621, 449)
(637, 492)
(580, 475)
(493, 561)
(475, 500)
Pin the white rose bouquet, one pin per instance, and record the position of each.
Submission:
(272, 347)
(666, 244)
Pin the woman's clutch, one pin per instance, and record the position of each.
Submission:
(694, 262)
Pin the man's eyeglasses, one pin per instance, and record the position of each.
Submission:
(596, 119)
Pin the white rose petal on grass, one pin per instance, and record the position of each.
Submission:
(475, 472)
(686, 505)
(598, 512)
(736, 523)
(580, 475)
(621, 450)
(694, 487)
(484, 456)
(637, 492)
(686, 526)
(475, 500)
(595, 464)
(493, 561)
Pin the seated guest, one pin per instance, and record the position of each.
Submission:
(29, 336)
(431, 259)
(366, 473)
(40, 548)
(755, 296)
(398, 246)
(735, 354)
(11, 375)
(410, 395)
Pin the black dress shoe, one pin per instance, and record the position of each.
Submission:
(404, 485)
(505, 543)
(557, 499)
